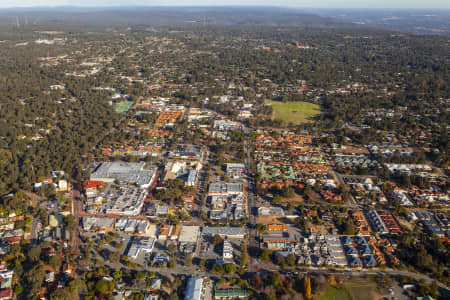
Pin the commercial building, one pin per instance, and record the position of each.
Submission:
(189, 234)
(126, 200)
(134, 173)
(145, 244)
(271, 211)
(227, 251)
(192, 178)
(277, 242)
(224, 125)
(195, 289)
(225, 188)
(224, 232)
(235, 170)
(98, 224)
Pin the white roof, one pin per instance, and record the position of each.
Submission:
(189, 234)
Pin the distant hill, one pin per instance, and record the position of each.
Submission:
(170, 15)
(422, 21)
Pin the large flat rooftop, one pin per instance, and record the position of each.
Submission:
(125, 172)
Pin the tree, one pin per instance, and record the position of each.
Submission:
(139, 275)
(18, 289)
(244, 259)
(230, 268)
(216, 239)
(256, 282)
(265, 255)
(55, 262)
(71, 222)
(277, 199)
(171, 249)
(114, 256)
(172, 264)
(34, 253)
(261, 228)
(102, 286)
(117, 274)
(188, 260)
(290, 260)
(202, 264)
(275, 279)
(307, 287)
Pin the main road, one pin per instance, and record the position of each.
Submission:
(251, 189)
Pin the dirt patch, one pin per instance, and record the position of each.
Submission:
(296, 199)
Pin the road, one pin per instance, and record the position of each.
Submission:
(252, 233)
(195, 271)
(338, 177)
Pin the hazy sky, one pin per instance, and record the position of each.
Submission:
(297, 3)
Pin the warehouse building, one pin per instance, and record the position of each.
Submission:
(134, 173)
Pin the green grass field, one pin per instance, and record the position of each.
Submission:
(355, 289)
(123, 107)
(333, 293)
(294, 112)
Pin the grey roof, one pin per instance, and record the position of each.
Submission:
(125, 172)
(228, 231)
(226, 187)
(194, 289)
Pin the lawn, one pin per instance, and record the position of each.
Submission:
(333, 293)
(362, 289)
(294, 112)
(355, 289)
(123, 107)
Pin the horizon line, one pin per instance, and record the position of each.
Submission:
(218, 6)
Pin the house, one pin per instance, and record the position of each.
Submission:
(151, 297)
(369, 261)
(6, 278)
(93, 184)
(6, 294)
(164, 232)
(355, 261)
(67, 269)
(50, 277)
(160, 258)
(142, 226)
(3, 266)
(155, 284)
(280, 242)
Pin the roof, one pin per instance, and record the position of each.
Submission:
(268, 239)
(270, 211)
(355, 261)
(126, 172)
(226, 188)
(228, 231)
(370, 260)
(194, 289)
(6, 293)
(189, 234)
(230, 293)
